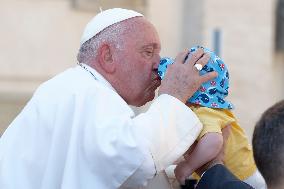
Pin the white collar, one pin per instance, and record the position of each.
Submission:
(97, 76)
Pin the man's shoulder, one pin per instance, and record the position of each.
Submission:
(75, 84)
(72, 80)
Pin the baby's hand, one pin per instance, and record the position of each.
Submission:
(182, 171)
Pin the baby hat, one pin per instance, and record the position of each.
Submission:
(211, 94)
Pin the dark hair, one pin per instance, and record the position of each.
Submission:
(268, 144)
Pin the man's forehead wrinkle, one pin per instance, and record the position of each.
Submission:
(134, 28)
(151, 45)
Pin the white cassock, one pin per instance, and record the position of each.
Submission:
(77, 133)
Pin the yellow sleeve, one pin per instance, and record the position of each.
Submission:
(213, 120)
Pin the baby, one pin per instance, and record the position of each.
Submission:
(209, 104)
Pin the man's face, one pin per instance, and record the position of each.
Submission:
(140, 59)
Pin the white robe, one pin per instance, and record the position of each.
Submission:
(76, 132)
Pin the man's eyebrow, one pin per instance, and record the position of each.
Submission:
(155, 45)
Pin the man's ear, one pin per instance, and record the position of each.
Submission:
(106, 59)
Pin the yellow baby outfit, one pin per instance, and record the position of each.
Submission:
(238, 152)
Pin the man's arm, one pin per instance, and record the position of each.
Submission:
(164, 133)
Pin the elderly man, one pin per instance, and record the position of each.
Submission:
(78, 130)
(268, 146)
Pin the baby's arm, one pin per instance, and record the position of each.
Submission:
(206, 149)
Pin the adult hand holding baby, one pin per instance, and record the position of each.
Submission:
(182, 78)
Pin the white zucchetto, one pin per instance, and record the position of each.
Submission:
(105, 19)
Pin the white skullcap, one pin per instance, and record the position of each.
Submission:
(105, 19)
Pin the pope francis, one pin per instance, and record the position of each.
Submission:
(78, 131)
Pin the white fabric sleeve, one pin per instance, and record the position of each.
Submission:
(142, 175)
(167, 129)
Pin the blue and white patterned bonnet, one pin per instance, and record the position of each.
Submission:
(212, 93)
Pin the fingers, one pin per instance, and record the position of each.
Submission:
(181, 56)
(208, 76)
(194, 57)
(204, 59)
(198, 57)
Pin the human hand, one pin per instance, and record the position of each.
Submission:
(183, 79)
(219, 159)
(183, 169)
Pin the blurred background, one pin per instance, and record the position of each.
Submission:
(40, 38)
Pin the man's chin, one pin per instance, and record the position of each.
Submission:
(149, 98)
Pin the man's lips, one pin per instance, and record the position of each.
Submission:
(156, 80)
(155, 76)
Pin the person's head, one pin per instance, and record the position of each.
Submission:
(268, 145)
(211, 94)
(126, 53)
